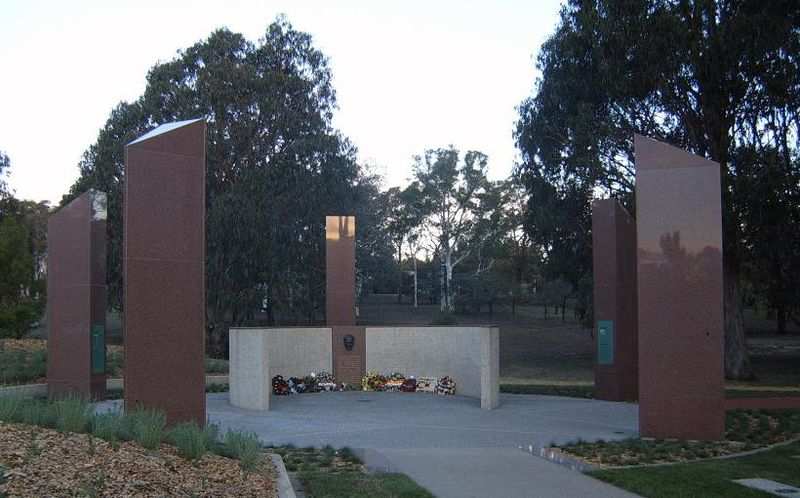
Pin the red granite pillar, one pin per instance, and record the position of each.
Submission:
(340, 270)
(616, 376)
(76, 298)
(679, 230)
(349, 363)
(164, 267)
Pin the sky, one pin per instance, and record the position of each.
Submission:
(409, 75)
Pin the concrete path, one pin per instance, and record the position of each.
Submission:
(446, 444)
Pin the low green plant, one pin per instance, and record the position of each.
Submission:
(114, 363)
(38, 412)
(244, 446)
(108, 427)
(191, 441)
(217, 388)
(3, 472)
(216, 366)
(10, 408)
(147, 427)
(73, 414)
(32, 450)
(444, 319)
(348, 456)
(93, 487)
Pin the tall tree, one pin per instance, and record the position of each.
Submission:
(23, 227)
(5, 167)
(451, 190)
(275, 168)
(679, 70)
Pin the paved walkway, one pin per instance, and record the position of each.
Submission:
(447, 444)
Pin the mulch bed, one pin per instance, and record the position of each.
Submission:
(43, 462)
(26, 345)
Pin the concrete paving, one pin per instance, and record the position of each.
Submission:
(446, 444)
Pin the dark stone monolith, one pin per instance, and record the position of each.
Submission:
(164, 271)
(76, 298)
(679, 233)
(616, 375)
(349, 364)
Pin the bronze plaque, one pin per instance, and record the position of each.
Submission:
(349, 366)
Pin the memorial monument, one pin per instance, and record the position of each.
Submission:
(164, 271)
(349, 340)
(76, 298)
(616, 376)
(679, 239)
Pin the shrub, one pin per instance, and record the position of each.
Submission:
(147, 427)
(108, 426)
(36, 412)
(444, 319)
(191, 441)
(243, 446)
(216, 366)
(114, 363)
(10, 408)
(73, 414)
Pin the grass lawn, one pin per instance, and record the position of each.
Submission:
(330, 473)
(709, 479)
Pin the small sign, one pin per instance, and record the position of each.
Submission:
(98, 338)
(605, 342)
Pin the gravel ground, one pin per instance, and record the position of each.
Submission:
(42, 462)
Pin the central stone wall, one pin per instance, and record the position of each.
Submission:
(429, 352)
(470, 355)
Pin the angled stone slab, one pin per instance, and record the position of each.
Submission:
(616, 376)
(164, 271)
(679, 240)
(76, 298)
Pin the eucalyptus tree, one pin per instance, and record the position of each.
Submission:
(685, 71)
(5, 167)
(275, 168)
(451, 190)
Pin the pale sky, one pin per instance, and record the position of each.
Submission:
(408, 75)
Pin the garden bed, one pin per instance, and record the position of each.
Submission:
(58, 448)
(45, 462)
(746, 430)
(330, 473)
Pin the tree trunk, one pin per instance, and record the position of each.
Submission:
(415, 281)
(450, 293)
(737, 361)
(400, 271)
(780, 311)
(442, 286)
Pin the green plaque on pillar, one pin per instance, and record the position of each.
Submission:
(605, 342)
(98, 349)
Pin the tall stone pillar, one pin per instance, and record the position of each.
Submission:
(616, 376)
(349, 341)
(164, 267)
(76, 298)
(679, 233)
